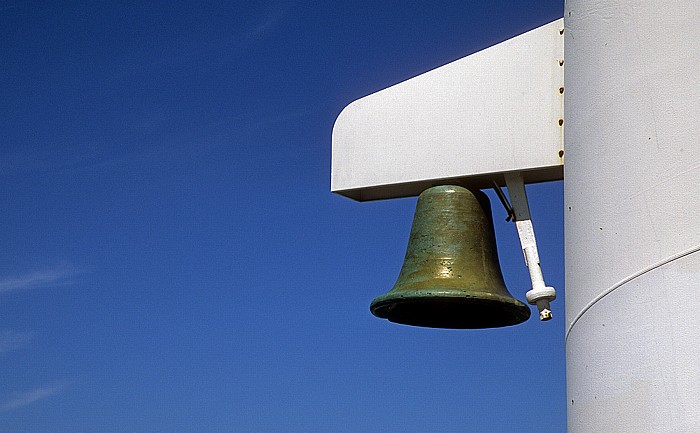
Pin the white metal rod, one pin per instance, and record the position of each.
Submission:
(540, 295)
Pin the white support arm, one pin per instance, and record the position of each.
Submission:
(540, 295)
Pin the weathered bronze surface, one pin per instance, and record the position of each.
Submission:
(451, 277)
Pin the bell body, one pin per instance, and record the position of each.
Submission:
(451, 277)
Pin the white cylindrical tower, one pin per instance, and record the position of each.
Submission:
(632, 215)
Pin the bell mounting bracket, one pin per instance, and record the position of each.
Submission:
(519, 211)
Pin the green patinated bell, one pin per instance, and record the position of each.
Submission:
(451, 277)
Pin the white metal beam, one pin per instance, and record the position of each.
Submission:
(498, 110)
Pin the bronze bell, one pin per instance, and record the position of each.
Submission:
(451, 277)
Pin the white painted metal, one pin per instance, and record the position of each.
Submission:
(540, 295)
(632, 215)
(495, 111)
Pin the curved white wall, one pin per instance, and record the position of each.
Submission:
(632, 215)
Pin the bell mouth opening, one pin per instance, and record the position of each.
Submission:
(452, 313)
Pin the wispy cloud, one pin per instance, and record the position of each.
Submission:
(15, 340)
(198, 47)
(4, 6)
(48, 277)
(51, 158)
(26, 398)
(269, 21)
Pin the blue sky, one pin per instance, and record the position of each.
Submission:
(173, 259)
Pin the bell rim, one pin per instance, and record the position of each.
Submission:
(517, 311)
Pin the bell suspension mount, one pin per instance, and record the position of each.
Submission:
(519, 211)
